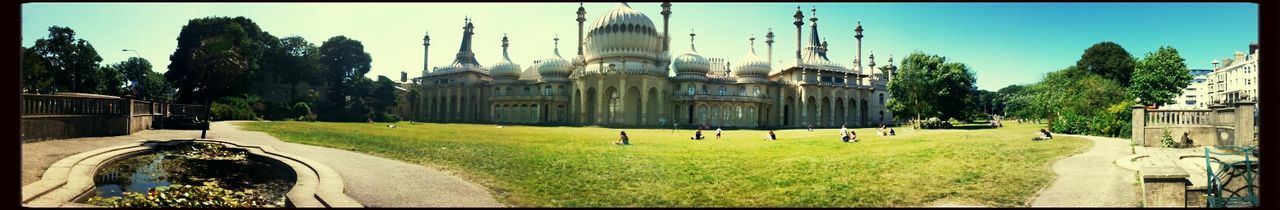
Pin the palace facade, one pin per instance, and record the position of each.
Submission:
(624, 75)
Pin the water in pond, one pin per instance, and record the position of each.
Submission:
(170, 165)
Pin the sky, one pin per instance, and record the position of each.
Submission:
(1003, 43)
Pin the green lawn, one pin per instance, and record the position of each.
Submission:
(580, 167)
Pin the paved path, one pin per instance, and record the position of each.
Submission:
(374, 181)
(1092, 179)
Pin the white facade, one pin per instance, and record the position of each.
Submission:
(1194, 96)
(1235, 79)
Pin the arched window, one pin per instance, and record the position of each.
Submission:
(757, 90)
(546, 91)
(882, 99)
(691, 90)
(704, 89)
(742, 91)
(526, 91)
(508, 92)
(560, 90)
(722, 92)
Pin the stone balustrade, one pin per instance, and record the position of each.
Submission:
(71, 115)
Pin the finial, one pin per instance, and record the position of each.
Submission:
(691, 46)
(753, 43)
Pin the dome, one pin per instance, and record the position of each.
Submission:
(621, 31)
(555, 68)
(505, 69)
(690, 65)
(751, 68)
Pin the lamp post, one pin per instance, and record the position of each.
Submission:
(133, 84)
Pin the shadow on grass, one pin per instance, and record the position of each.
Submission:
(970, 127)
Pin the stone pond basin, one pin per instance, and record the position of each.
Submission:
(71, 181)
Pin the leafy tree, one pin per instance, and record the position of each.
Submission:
(108, 81)
(294, 60)
(1160, 76)
(345, 63)
(72, 62)
(36, 76)
(1108, 60)
(155, 88)
(135, 72)
(929, 86)
(384, 95)
(229, 44)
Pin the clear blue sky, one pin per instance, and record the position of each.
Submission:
(1004, 43)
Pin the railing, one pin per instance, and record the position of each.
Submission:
(71, 105)
(1180, 117)
(185, 109)
(1234, 184)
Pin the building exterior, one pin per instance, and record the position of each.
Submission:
(1234, 79)
(1194, 95)
(623, 74)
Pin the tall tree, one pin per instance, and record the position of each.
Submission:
(108, 81)
(240, 35)
(384, 95)
(1160, 76)
(1108, 60)
(345, 63)
(1070, 91)
(295, 60)
(36, 77)
(929, 86)
(135, 72)
(73, 62)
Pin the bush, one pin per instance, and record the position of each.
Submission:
(935, 123)
(384, 117)
(231, 109)
(1168, 142)
(301, 111)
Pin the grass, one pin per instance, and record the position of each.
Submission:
(580, 167)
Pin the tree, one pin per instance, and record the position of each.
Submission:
(1109, 60)
(72, 62)
(156, 88)
(383, 95)
(135, 71)
(107, 81)
(1070, 90)
(1160, 76)
(36, 77)
(345, 63)
(929, 86)
(228, 44)
(294, 60)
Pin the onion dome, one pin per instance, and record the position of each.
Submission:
(622, 31)
(752, 69)
(555, 68)
(690, 65)
(505, 69)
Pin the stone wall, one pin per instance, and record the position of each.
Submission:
(1219, 125)
(86, 115)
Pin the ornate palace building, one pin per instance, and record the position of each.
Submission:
(624, 75)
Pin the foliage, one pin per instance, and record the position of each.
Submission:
(384, 95)
(345, 63)
(557, 166)
(1167, 140)
(216, 56)
(209, 195)
(72, 62)
(1069, 90)
(156, 88)
(108, 81)
(929, 86)
(1160, 76)
(1109, 60)
(235, 108)
(935, 123)
(207, 151)
(384, 117)
(36, 75)
(294, 60)
(302, 112)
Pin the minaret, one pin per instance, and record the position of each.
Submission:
(872, 64)
(799, 22)
(426, 44)
(858, 61)
(769, 41)
(666, 18)
(582, 12)
(892, 69)
(815, 43)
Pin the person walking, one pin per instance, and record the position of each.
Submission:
(718, 132)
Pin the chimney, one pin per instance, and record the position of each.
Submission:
(1253, 48)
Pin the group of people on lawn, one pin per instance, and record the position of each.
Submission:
(846, 135)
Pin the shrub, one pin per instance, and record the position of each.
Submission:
(384, 117)
(1168, 142)
(231, 111)
(934, 123)
(301, 111)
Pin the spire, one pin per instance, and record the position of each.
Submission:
(426, 44)
(691, 47)
(753, 43)
(666, 17)
(768, 40)
(815, 43)
(582, 12)
(799, 22)
(505, 43)
(465, 55)
(556, 40)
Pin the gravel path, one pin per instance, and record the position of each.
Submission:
(1092, 179)
(374, 181)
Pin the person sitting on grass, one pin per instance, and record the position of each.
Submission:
(892, 133)
(771, 136)
(622, 139)
(844, 134)
(697, 135)
(1044, 135)
(853, 136)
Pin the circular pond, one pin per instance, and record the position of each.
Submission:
(260, 181)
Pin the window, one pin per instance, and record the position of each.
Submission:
(526, 91)
(704, 89)
(546, 91)
(757, 91)
(882, 102)
(742, 91)
(690, 90)
(722, 92)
